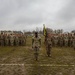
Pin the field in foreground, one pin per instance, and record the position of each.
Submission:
(20, 61)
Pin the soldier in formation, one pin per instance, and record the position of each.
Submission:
(74, 42)
(55, 40)
(65, 40)
(61, 40)
(12, 40)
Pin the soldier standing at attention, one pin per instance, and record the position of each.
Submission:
(66, 40)
(2, 39)
(6, 40)
(17, 40)
(24, 40)
(11, 40)
(74, 41)
(61, 40)
(55, 41)
(48, 45)
(69, 39)
(36, 44)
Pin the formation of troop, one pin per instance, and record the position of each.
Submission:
(61, 40)
(12, 39)
(66, 40)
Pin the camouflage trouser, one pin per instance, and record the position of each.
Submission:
(20, 42)
(24, 43)
(36, 52)
(66, 43)
(7, 42)
(55, 42)
(74, 45)
(74, 48)
(36, 49)
(61, 43)
(2, 42)
(12, 42)
(70, 43)
(17, 42)
(48, 48)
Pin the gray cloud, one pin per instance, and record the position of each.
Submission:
(68, 11)
(66, 16)
(29, 14)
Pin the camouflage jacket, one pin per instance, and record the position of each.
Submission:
(36, 42)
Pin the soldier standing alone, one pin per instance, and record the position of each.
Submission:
(36, 44)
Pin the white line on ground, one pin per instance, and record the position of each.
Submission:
(54, 65)
(11, 64)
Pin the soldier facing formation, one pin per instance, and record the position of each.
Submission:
(36, 44)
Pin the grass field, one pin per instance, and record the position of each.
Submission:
(20, 61)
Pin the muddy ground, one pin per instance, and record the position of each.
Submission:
(20, 61)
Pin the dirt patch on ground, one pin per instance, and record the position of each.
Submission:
(12, 69)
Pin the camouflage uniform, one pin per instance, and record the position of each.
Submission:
(11, 40)
(52, 40)
(24, 40)
(65, 40)
(36, 42)
(20, 40)
(70, 41)
(2, 40)
(55, 40)
(17, 41)
(14, 40)
(60, 41)
(7, 40)
(74, 42)
(48, 46)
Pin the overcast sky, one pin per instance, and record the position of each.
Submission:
(29, 14)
